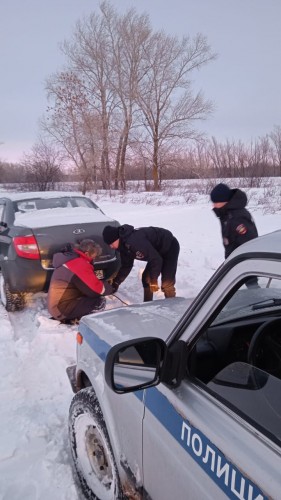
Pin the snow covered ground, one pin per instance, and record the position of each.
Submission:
(35, 350)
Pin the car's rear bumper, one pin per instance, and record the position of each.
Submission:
(27, 275)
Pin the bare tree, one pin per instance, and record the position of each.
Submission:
(275, 137)
(42, 166)
(107, 52)
(129, 35)
(165, 97)
(10, 172)
(141, 148)
(123, 77)
(217, 159)
(73, 125)
(88, 55)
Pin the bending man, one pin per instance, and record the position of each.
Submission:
(155, 245)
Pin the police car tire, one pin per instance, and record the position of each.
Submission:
(97, 477)
(11, 301)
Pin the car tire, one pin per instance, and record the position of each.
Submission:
(12, 301)
(92, 455)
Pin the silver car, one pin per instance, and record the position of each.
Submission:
(181, 399)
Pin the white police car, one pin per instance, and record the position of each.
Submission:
(182, 400)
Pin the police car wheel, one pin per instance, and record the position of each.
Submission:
(93, 459)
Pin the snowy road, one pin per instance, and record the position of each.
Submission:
(35, 396)
(35, 462)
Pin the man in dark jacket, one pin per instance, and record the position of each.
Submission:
(155, 245)
(237, 224)
(74, 289)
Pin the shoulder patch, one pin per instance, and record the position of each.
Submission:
(139, 255)
(241, 229)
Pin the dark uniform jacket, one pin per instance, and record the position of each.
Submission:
(146, 243)
(72, 279)
(237, 224)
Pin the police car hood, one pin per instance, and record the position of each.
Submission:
(150, 319)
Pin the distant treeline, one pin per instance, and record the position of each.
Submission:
(205, 160)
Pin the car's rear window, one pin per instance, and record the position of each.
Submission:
(60, 202)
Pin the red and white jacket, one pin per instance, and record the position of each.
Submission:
(73, 278)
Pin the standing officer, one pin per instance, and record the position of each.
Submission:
(155, 245)
(237, 224)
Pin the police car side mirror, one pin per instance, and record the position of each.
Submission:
(141, 363)
(135, 364)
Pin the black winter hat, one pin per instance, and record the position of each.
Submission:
(220, 193)
(110, 234)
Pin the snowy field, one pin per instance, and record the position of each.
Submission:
(35, 350)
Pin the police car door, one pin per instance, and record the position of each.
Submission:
(198, 446)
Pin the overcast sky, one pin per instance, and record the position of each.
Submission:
(244, 82)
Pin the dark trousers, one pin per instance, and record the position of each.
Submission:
(83, 306)
(168, 273)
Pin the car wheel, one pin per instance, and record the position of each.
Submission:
(11, 301)
(92, 455)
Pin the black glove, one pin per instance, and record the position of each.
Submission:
(114, 286)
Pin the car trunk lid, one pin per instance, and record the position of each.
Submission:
(54, 228)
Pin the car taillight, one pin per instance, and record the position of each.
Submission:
(79, 338)
(26, 246)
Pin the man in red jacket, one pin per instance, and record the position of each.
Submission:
(74, 289)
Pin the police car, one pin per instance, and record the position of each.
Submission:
(181, 399)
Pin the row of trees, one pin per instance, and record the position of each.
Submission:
(44, 167)
(214, 159)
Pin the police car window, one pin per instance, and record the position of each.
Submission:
(255, 294)
(238, 357)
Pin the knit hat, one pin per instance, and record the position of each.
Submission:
(220, 193)
(110, 234)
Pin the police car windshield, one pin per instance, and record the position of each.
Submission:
(247, 302)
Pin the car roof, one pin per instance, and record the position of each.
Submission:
(26, 195)
(268, 244)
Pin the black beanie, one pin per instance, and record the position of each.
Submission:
(110, 234)
(220, 193)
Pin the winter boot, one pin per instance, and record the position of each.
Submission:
(147, 294)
